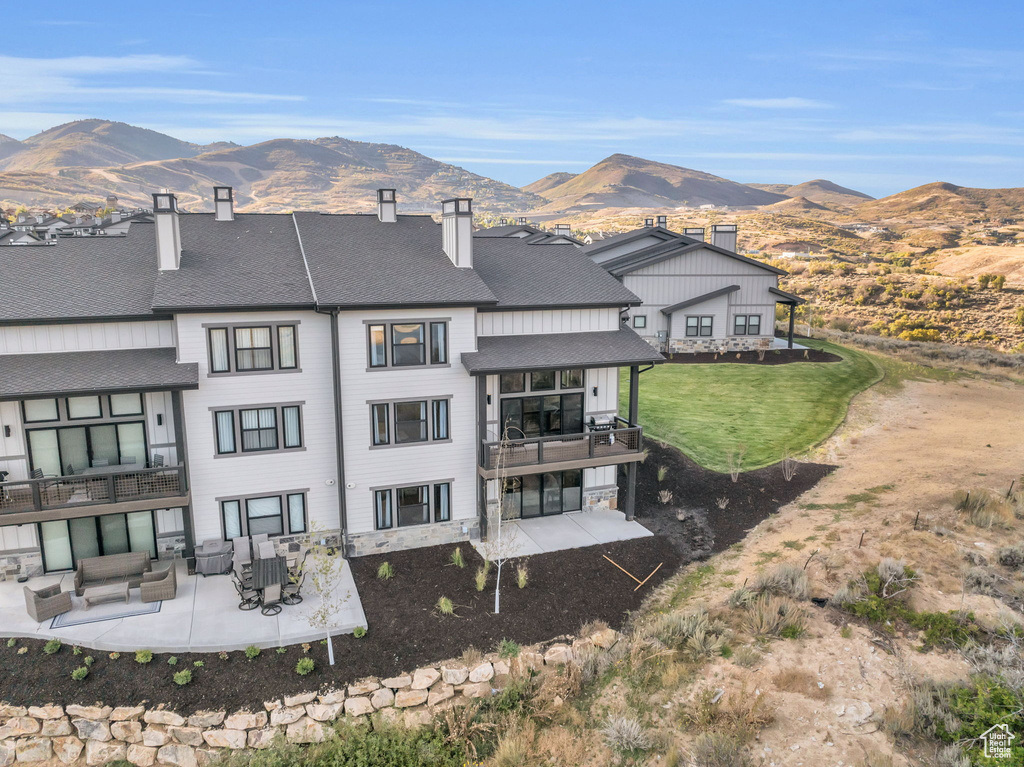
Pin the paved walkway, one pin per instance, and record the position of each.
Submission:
(204, 617)
(566, 531)
(782, 343)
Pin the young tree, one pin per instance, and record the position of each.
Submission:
(323, 570)
(501, 545)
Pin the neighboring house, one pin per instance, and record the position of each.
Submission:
(217, 375)
(697, 295)
(531, 234)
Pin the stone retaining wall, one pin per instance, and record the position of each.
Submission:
(94, 735)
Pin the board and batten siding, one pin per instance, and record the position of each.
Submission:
(546, 321)
(13, 452)
(247, 474)
(367, 467)
(86, 336)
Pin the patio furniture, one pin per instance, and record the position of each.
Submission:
(291, 593)
(158, 586)
(128, 460)
(111, 569)
(242, 555)
(97, 462)
(214, 557)
(270, 600)
(109, 593)
(45, 603)
(268, 571)
(248, 597)
(265, 550)
(257, 540)
(297, 562)
(157, 462)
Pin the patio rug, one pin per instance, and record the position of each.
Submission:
(105, 611)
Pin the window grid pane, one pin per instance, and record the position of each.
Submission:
(410, 422)
(440, 419)
(407, 345)
(382, 508)
(740, 325)
(232, 519)
(225, 431)
(292, 426)
(286, 358)
(438, 343)
(378, 353)
(125, 404)
(379, 417)
(252, 349)
(264, 515)
(572, 379)
(442, 502)
(296, 513)
(219, 350)
(41, 410)
(259, 429)
(413, 507)
(513, 382)
(754, 324)
(83, 407)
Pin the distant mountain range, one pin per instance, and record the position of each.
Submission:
(819, 190)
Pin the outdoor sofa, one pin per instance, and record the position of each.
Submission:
(43, 604)
(113, 568)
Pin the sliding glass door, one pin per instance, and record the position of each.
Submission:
(66, 541)
(69, 449)
(542, 416)
(541, 495)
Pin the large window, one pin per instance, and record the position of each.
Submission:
(409, 422)
(274, 514)
(699, 325)
(36, 410)
(253, 348)
(557, 408)
(412, 505)
(535, 495)
(746, 325)
(258, 429)
(407, 344)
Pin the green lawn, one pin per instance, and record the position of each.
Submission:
(712, 412)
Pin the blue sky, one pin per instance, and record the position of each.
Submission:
(879, 96)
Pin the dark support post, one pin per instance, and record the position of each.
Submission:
(182, 455)
(634, 407)
(792, 319)
(481, 438)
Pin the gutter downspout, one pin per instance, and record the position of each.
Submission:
(338, 429)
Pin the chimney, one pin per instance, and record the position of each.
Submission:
(694, 233)
(724, 236)
(168, 235)
(115, 217)
(223, 203)
(387, 206)
(663, 222)
(457, 230)
(503, 222)
(648, 223)
(521, 221)
(563, 230)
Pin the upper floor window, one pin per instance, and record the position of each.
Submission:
(408, 422)
(258, 429)
(640, 321)
(253, 348)
(412, 505)
(407, 344)
(699, 325)
(82, 408)
(746, 325)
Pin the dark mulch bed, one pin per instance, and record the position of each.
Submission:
(705, 528)
(566, 589)
(773, 357)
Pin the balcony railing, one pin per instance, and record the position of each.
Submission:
(92, 489)
(611, 443)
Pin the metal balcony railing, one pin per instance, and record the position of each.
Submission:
(611, 442)
(93, 489)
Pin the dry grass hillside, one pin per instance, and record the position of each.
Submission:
(941, 201)
(982, 259)
(819, 190)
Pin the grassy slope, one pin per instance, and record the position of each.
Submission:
(711, 411)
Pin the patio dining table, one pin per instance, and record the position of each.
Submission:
(268, 571)
(114, 468)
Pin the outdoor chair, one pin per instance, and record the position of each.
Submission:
(257, 540)
(270, 601)
(266, 550)
(297, 563)
(291, 594)
(100, 462)
(44, 487)
(248, 599)
(157, 462)
(158, 586)
(242, 556)
(46, 603)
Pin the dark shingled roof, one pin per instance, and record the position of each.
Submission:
(527, 276)
(80, 278)
(253, 261)
(542, 351)
(700, 299)
(357, 261)
(50, 375)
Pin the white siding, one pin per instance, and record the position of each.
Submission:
(249, 474)
(408, 464)
(13, 453)
(546, 321)
(161, 436)
(85, 336)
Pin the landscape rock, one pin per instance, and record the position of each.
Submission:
(67, 749)
(299, 700)
(408, 698)
(454, 674)
(397, 682)
(7, 711)
(287, 715)
(102, 752)
(225, 738)
(362, 688)
(155, 735)
(129, 732)
(358, 706)
(605, 639)
(33, 749)
(482, 673)
(19, 725)
(477, 690)
(321, 712)
(159, 716)
(270, 705)
(501, 667)
(440, 693)
(263, 738)
(532, 660)
(206, 719)
(89, 712)
(46, 712)
(424, 678)
(190, 736)
(7, 754)
(53, 728)
(332, 696)
(418, 718)
(305, 730)
(177, 755)
(382, 698)
(244, 720)
(90, 729)
(205, 756)
(127, 713)
(557, 654)
(141, 756)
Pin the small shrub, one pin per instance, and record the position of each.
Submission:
(172, 661)
(718, 749)
(52, 647)
(508, 649)
(114, 655)
(359, 632)
(281, 650)
(625, 733)
(80, 673)
(198, 664)
(1011, 556)
(385, 572)
(445, 606)
(746, 656)
(12, 642)
(784, 580)
(252, 651)
(76, 650)
(457, 559)
(88, 660)
(522, 576)
(182, 678)
(895, 577)
(769, 615)
(665, 497)
(305, 666)
(22, 650)
(663, 470)
(846, 632)
(145, 656)
(480, 579)
(222, 655)
(981, 580)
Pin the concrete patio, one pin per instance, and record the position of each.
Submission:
(204, 617)
(567, 531)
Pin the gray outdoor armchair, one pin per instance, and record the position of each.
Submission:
(157, 586)
(43, 604)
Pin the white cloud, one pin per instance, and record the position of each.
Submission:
(789, 102)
